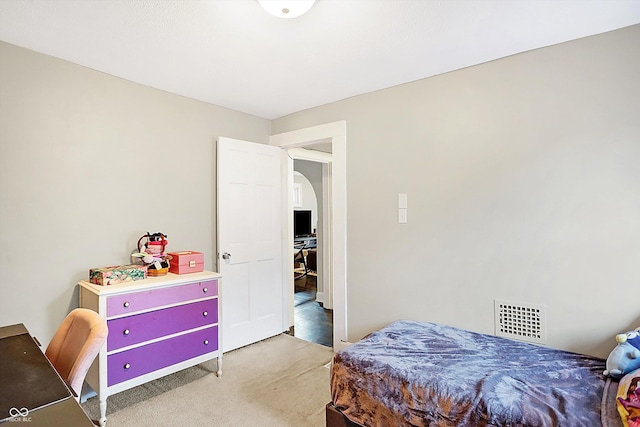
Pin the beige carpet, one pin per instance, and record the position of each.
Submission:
(279, 382)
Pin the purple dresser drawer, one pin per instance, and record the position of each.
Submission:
(146, 299)
(151, 357)
(138, 328)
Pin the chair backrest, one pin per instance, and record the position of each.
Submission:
(76, 344)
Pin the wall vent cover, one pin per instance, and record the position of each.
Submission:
(521, 321)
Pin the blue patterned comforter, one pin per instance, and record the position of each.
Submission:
(424, 374)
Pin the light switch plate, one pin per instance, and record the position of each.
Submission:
(402, 216)
(402, 201)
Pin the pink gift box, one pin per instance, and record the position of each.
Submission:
(186, 262)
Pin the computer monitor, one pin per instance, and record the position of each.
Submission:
(301, 223)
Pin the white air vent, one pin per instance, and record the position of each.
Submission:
(521, 321)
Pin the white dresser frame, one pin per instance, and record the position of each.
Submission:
(94, 297)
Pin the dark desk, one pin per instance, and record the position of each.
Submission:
(31, 390)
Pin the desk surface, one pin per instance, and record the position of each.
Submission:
(31, 387)
(309, 242)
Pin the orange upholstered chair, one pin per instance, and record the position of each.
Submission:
(76, 344)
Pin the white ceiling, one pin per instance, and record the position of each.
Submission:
(233, 54)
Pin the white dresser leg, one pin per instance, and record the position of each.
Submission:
(103, 412)
(219, 372)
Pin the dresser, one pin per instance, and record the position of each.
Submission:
(157, 326)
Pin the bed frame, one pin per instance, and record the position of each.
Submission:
(335, 418)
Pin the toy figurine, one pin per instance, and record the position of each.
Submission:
(152, 253)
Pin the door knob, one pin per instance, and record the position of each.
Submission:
(226, 255)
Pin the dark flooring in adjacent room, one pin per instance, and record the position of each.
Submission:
(312, 322)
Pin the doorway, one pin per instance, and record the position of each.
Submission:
(312, 318)
(335, 230)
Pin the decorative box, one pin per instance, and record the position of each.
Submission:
(117, 274)
(186, 262)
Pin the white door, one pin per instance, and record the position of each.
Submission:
(249, 241)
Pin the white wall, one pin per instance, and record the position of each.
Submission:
(89, 163)
(522, 180)
(521, 174)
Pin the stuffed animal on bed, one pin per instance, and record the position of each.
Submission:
(625, 357)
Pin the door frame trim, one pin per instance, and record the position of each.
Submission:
(336, 133)
(324, 277)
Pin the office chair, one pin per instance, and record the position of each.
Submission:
(301, 256)
(75, 345)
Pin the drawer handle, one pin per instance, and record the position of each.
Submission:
(127, 366)
(126, 332)
(205, 313)
(206, 342)
(205, 290)
(126, 304)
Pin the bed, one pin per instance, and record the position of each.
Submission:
(424, 374)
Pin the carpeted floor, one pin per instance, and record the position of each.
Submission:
(279, 382)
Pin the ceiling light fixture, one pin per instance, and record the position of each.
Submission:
(286, 8)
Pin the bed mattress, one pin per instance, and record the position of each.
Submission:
(424, 374)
